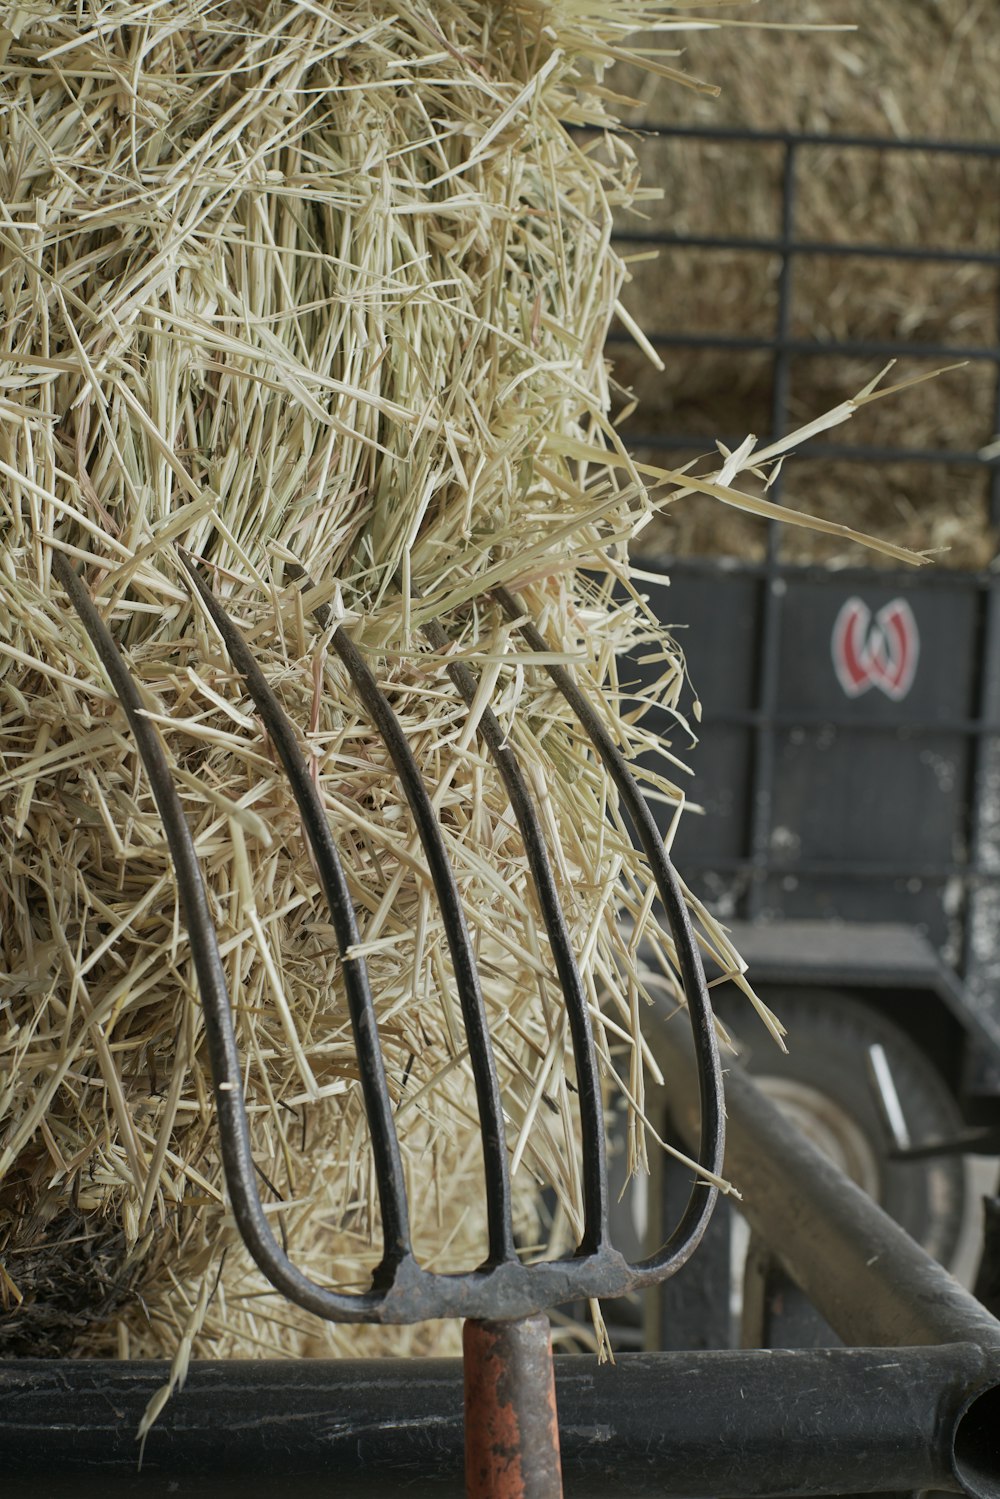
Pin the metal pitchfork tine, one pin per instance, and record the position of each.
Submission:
(512, 1438)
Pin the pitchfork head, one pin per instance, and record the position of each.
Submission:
(402, 1290)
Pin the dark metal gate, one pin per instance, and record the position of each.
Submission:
(874, 804)
(780, 345)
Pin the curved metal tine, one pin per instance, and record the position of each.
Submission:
(378, 1106)
(223, 1055)
(594, 1154)
(500, 1228)
(694, 1220)
(496, 1169)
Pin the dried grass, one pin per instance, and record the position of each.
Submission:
(324, 293)
(320, 289)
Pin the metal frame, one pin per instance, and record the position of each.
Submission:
(979, 868)
(763, 718)
(746, 1425)
(779, 343)
(916, 1405)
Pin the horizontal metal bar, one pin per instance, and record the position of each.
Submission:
(854, 869)
(757, 245)
(797, 1422)
(862, 348)
(806, 138)
(790, 719)
(810, 572)
(844, 452)
(871, 1282)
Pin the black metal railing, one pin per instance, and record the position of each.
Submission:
(764, 719)
(780, 342)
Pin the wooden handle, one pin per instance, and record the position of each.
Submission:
(511, 1426)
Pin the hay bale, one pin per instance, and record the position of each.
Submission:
(322, 289)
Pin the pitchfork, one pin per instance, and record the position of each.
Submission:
(512, 1435)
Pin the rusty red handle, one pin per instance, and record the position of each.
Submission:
(511, 1426)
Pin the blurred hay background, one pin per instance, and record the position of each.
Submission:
(912, 68)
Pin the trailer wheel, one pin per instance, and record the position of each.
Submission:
(824, 1085)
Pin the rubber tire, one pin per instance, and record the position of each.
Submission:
(828, 1038)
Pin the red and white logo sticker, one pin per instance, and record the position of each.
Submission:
(877, 652)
